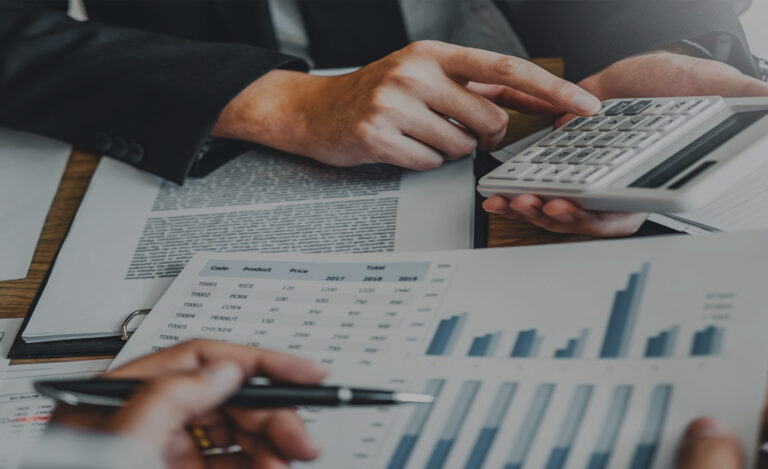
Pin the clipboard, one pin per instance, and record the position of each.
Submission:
(110, 346)
(104, 346)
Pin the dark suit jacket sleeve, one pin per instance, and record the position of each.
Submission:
(592, 34)
(147, 99)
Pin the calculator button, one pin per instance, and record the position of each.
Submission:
(622, 157)
(545, 155)
(527, 155)
(551, 139)
(510, 171)
(537, 173)
(578, 173)
(680, 105)
(633, 123)
(646, 140)
(593, 123)
(630, 140)
(654, 123)
(696, 106)
(607, 105)
(596, 174)
(619, 108)
(581, 156)
(562, 155)
(588, 139)
(638, 107)
(660, 107)
(675, 121)
(604, 156)
(613, 123)
(608, 139)
(575, 123)
(556, 173)
(570, 139)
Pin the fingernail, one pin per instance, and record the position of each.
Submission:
(224, 374)
(708, 428)
(564, 217)
(586, 103)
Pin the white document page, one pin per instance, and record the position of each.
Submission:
(8, 330)
(134, 232)
(744, 207)
(30, 171)
(533, 363)
(24, 413)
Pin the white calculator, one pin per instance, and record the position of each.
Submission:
(648, 154)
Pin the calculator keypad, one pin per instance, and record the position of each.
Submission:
(587, 149)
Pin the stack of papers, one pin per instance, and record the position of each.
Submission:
(134, 232)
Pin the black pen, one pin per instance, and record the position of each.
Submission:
(114, 392)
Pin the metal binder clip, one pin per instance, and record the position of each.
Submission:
(124, 332)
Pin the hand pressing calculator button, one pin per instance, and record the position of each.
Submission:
(646, 154)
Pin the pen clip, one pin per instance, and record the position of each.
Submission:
(124, 332)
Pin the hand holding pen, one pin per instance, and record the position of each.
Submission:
(179, 409)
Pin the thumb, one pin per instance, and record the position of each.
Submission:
(165, 405)
(754, 87)
(709, 444)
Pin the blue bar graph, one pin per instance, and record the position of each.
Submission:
(529, 429)
(451, 429)
(609, 432)
(707, 342)
(663, 344)
(485, 345)
(621, 323)
(490, 428)
(571, 424)
(446, 335)
(526, 345)
(653, 428)
(574, 348)
(415, 425)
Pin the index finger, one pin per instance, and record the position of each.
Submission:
(195, 354)
(493, 68)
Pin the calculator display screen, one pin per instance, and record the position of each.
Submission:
(697, 150)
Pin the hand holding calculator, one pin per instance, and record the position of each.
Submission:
(647, 154)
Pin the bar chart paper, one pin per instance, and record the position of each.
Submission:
(582, 356)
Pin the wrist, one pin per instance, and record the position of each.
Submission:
(270, 111)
